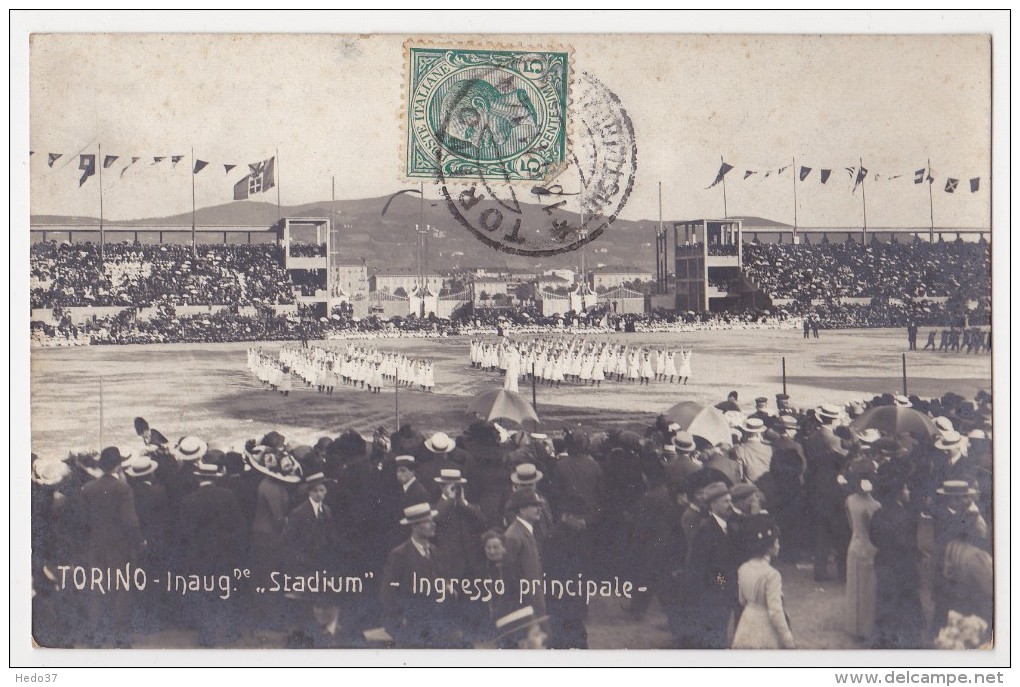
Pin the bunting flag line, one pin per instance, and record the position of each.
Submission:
(951, 185)
(227, 168)
(861, 173)
(199, 166)
(804, 172)
(723, 171)
(974, 184)
(133, 161)
(260, 179)
(825, 175)
(109, 160)
(86, 163)
(53, 157)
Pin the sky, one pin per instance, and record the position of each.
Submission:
(331, 106)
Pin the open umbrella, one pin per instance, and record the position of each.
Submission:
(702, 421)
(500, 404)
(893, 420)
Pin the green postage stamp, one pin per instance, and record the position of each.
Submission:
(497, 115)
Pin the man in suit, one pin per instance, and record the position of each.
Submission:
(712, 575)
(412, 491)
(825, 461)
(114, 540)
(576, 474)
(524, 560)
(211, 532)
(415, 620)
(785, 489)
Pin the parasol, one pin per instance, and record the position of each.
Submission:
(893, 420)
(500, 404)
(702, 421)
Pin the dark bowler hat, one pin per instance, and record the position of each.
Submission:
(110, 459)
(714, 491)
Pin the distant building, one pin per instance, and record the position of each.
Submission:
(613, 277)
(389, 282)
(349, 278)
(490, 286)
(552, 282)
(566, 275)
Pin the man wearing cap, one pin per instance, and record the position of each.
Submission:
(752, 453)
(711, 594)
(414, 620)
(211, 534)
(826, 457)
(411, 490)
(524, 561)
(114, 540)
(680, 457)
(761, 410)
(951, 463)
(783, 406)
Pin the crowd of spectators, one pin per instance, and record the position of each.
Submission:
(885, 270)
(307, 250)
(140, 275)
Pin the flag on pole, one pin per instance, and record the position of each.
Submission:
(974, 184)
(723, 170)
(804, 172)
(227, 168)
(109, 160)
(52, 157)
(199, 166)
(86, 163)
(919, 175)
(861, 173)
(951, 185)
(825, 175)
(259, 179)
(133, 161)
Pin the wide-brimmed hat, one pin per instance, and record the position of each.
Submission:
(207, 470)
(111, 458)
(190, 448)
(956, 487)
(263, 459)
(526, 473)
(829, 411)
(901, 400)
(949, 440)
(713, 491)
(440, 442)
(49, 473)
(753, 425)
(140, 466)
(869, 435)
(419, 512)
(517, 621)
(522, 499)
(944, 424)
(684, 441)
(450, 476)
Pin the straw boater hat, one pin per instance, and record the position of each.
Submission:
(949, 441)
(405, 460)
(440, 442)
(869, 436)
(828, 411)
(317, 478)
(190, 449)
(419, 512)
(753, 425)
(526, 473)
(902, 401)
(450, 476)
(140, 466)
(49, 473)
(956, 487)
(517, 621)
(944, 424)
(684, 442)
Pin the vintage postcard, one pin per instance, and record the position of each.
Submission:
(381, 342)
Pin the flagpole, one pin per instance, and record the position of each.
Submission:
(276, 171)
(194, 243)
(795, 200)
(725, 210)
(102, 231)
(931, 204)
(660, 250)
(864, 205)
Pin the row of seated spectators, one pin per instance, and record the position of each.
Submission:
(133, 274)
(897, 270)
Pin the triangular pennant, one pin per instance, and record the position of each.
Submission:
(804, 172)
(199, 166)
(748, 173)
(175, 159)
(723, 171)
(133, 161)
(53, 157)
(975, 183)
(109, 160)
(825, 175)
(227, 168)
(157, 160)
(31, 153)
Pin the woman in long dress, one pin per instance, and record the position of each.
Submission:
(685, 365)
(860, 555)
(670, 366)
(634, 366)
(763, 623)
(646, 367)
